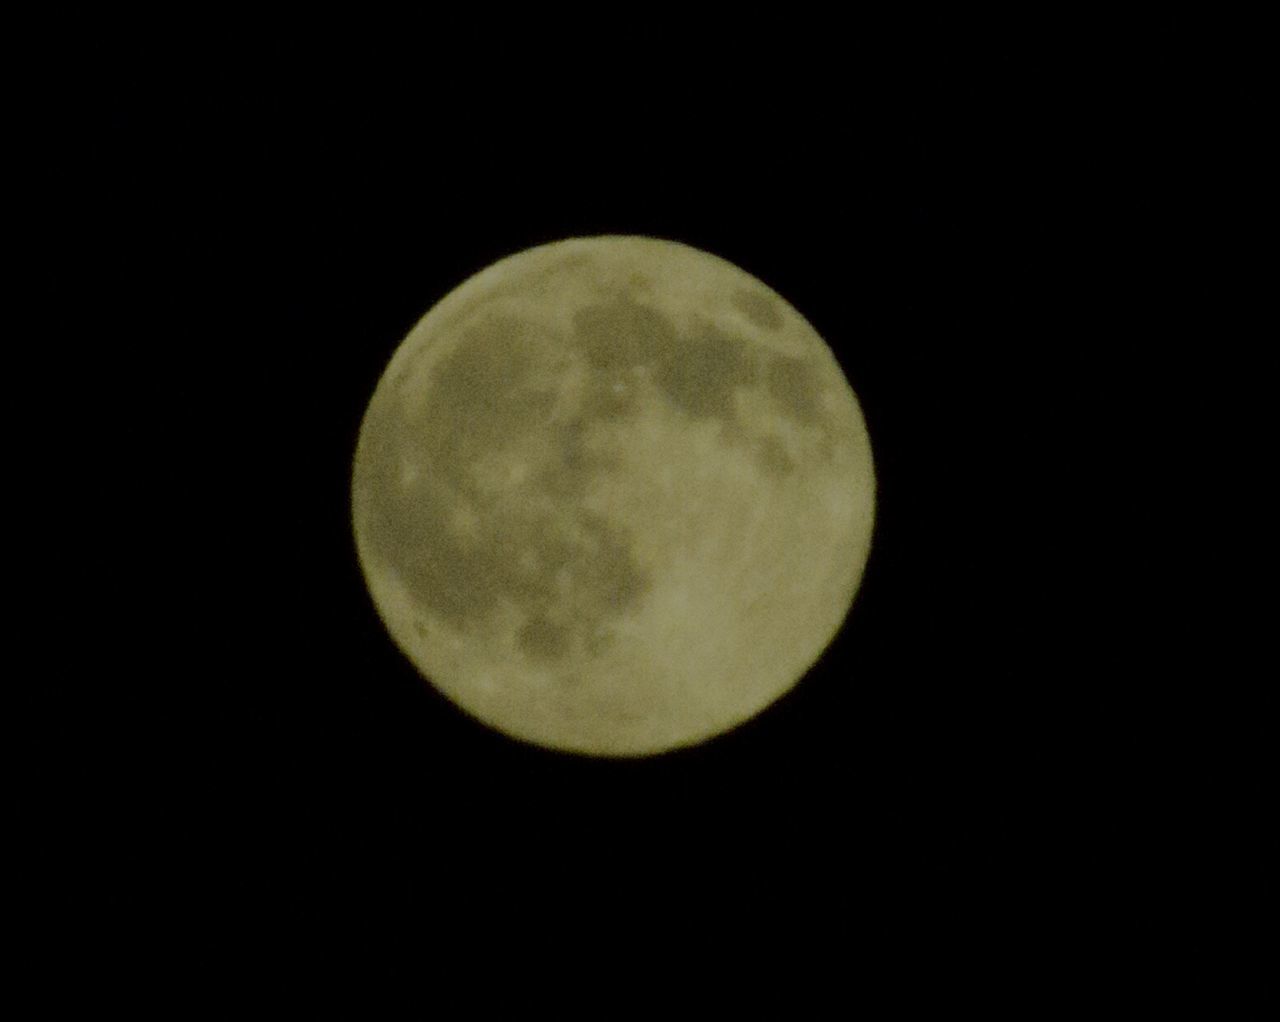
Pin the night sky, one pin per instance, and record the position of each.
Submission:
(989, 260)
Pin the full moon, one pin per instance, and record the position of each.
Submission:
(613, 496)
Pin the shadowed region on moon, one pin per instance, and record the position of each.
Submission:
(622, 334)
(492, 489)
(702, 374)
(758, 307)
(525, 540)
(791, 384)
(773, 457)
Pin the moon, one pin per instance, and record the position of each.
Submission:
(613, 496)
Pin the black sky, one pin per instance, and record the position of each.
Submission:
(988, 255)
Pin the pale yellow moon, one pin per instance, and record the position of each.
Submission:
(613, 496)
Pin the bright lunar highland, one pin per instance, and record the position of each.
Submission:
(613, 496)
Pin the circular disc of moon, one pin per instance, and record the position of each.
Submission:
(613, 496)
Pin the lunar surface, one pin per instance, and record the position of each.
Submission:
(613, 496)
